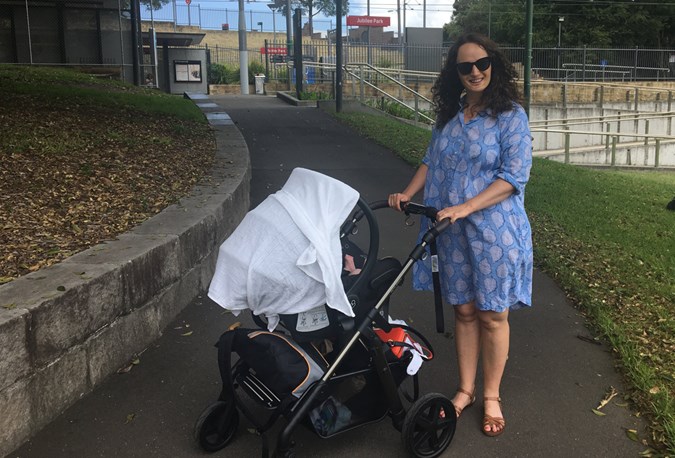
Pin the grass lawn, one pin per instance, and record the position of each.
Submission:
(608, 240)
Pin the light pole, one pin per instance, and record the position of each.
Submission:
(398, 21)
(561, 19)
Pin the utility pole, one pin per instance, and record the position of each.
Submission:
(561, 19)
(136, 40)
(398, 21)
(175, 15)
(338, 56)
(528, 56)
(289, 30)
(424, 14)
(370, 51)
(243, 52)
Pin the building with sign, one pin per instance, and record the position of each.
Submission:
(377, 35)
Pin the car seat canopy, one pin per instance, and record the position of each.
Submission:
(285, 257)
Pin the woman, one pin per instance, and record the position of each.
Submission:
(475, 171)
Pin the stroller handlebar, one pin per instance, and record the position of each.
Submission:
(412, 208)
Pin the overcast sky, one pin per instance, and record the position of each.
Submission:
(438, 12)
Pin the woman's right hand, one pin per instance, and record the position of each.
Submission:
(395, 200)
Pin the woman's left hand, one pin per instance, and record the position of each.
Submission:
(454, 213)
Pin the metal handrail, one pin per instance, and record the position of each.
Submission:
(608, 146)
(390, 78)
(416, 94)
(609, 134)
(349, 70)
(627, 116)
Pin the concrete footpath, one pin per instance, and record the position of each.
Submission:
(554, 376)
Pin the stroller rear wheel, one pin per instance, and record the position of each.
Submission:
(429, 426)
(216, 426)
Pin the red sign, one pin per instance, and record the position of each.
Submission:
(273, 50)
(187, 2)
(369, 21)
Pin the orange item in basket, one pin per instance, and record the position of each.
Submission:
(395, 335)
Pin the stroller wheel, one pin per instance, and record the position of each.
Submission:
(216, 426)
(429, 426)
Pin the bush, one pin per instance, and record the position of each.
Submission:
(255, 68)
(227, 74)
(223, 74)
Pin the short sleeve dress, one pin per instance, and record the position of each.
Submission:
(486, 257)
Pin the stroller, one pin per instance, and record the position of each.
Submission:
(330, 371)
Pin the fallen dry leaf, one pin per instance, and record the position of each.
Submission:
(632, 435)
(69, 181)
(608, 397)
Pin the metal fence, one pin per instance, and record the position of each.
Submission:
(88, 34)
(550, 64)
(598, 64)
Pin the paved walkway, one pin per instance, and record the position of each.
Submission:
(553, 378)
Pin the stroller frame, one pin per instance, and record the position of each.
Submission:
(435, 410)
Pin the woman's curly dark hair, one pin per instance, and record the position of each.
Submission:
(497, 97)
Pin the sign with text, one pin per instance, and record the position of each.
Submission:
(369, 21)
(273, 50)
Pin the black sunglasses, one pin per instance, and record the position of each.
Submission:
(482, 64)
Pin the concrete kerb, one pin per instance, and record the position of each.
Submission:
(65, 328)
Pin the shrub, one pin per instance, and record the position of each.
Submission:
(223, 74)
(255, 68)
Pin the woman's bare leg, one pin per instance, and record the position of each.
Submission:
(467, 344)
(494, 339)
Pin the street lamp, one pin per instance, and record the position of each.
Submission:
(398, 20)
(561, 19)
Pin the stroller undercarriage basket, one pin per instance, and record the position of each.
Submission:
(346, 402)
(358, 383)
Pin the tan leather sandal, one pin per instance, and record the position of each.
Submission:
(489, 421)
(472, 399)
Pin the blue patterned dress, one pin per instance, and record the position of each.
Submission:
(486, 257)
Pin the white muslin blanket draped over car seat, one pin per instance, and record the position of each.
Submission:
(285, 256)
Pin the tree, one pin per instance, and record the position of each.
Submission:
(311, 8)
(155, 4)
(620, 23)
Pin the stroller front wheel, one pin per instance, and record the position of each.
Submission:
(429, 426)
(216, 426)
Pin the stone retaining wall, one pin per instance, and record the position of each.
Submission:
(65, 328)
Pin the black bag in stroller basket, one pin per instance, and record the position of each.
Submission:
(282, 365)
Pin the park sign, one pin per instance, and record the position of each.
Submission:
(369, 21)
(273, 50)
